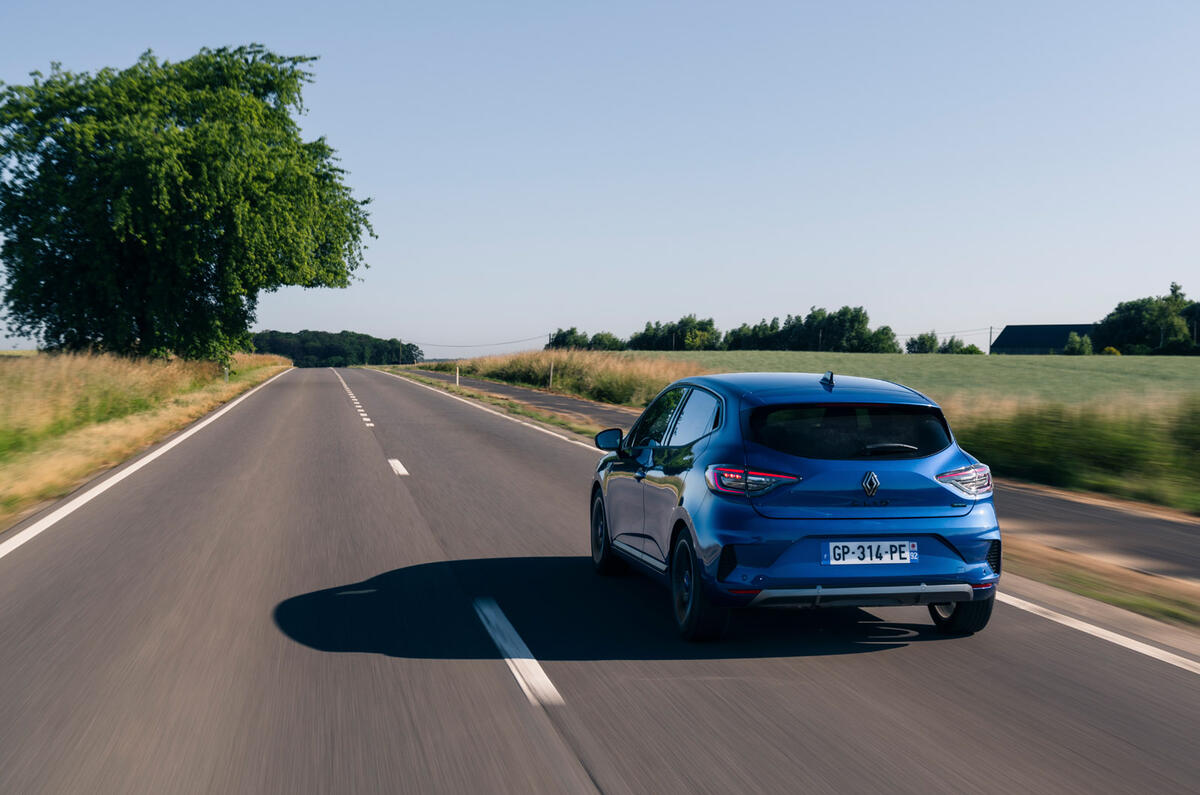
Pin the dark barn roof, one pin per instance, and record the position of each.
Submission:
(1037, 339)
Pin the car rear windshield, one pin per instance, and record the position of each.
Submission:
(850, 431)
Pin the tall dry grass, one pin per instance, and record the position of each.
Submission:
(48, 395)
(1145, 452)
(607, 377)
(66, 416)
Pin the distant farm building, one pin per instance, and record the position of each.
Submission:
(1037, 339)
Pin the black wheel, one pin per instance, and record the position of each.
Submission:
(962, 618)
(603, 557)
(696, 618)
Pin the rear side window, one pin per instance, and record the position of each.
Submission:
(697, 417)
(848, 431)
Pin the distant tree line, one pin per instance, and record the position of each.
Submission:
(326, 349)
(846, 330)
(1167, 324)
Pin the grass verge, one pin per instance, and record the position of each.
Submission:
(606, 377)
(1164, 598)
(69, 445)
(509, 405)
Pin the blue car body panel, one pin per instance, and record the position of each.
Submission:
(774, 549)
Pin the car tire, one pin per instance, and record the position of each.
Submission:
(696, 618)
(962, 618)
(604, 558)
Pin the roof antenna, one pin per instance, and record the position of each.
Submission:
(827, 379)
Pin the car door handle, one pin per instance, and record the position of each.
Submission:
(641, 473)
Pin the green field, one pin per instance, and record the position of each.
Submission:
(999, 379)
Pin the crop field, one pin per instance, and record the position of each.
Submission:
(994, 379)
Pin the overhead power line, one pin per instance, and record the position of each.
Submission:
(941, 333)
(480, 345)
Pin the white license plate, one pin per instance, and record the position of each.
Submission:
(860, 552)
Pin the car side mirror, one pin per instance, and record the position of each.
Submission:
(609, 439)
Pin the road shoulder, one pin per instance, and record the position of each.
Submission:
(1180, 640)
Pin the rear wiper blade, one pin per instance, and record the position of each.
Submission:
(888, 447)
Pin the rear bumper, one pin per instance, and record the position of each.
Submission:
(751, 561)
(867, 596)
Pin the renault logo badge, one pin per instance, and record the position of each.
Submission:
(870, 483)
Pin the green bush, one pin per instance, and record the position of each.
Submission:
(1077, 345)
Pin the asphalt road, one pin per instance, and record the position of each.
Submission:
(270, 607)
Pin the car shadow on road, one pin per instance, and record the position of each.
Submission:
(562, 611)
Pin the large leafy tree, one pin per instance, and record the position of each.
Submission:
(144, 210)
(922, 343)
(568, 338)
(1146, 324)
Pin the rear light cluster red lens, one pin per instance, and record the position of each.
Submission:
(974, 480)
(731, 480)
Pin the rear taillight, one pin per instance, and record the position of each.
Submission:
(974, 480)
(731, 480)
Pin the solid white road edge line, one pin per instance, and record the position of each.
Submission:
(60, 513)
(397, 467)
(528, 673)
(490, 411)
(1103, 634)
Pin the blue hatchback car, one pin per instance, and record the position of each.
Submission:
(797, 490)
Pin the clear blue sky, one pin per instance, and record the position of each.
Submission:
(534, 165)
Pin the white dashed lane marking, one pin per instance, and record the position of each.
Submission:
(354, 400)
(525, 668)
(397, 467)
